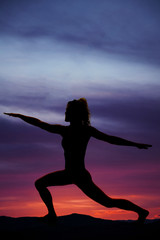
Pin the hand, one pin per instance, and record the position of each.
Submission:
(143, 146)
(13, 114)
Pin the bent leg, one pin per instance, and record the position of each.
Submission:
(58, 178)
(95, 193)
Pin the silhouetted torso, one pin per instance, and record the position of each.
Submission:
(74, 143)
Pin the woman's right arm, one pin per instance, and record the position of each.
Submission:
(53, 128)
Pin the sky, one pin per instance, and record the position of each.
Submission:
(53, 51)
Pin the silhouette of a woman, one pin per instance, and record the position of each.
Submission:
(75, 138)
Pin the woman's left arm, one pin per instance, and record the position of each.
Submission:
(116, 140)
(53, 128)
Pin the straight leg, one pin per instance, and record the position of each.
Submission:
(96, 194)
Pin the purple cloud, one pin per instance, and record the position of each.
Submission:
(127, 28)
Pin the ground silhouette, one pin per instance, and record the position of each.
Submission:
(77, 227)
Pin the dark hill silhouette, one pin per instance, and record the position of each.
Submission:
(76, 226)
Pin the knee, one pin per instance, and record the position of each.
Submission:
(111, 203)
(38, 184)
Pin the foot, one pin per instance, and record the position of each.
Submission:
(142, 216)
(49, 218)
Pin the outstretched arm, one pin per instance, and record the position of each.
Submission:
(116, 140)
(53, 128)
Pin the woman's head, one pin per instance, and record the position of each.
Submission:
(77, 111)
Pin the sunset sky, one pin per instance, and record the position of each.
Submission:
(53, 51)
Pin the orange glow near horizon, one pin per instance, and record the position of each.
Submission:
(68, 200)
